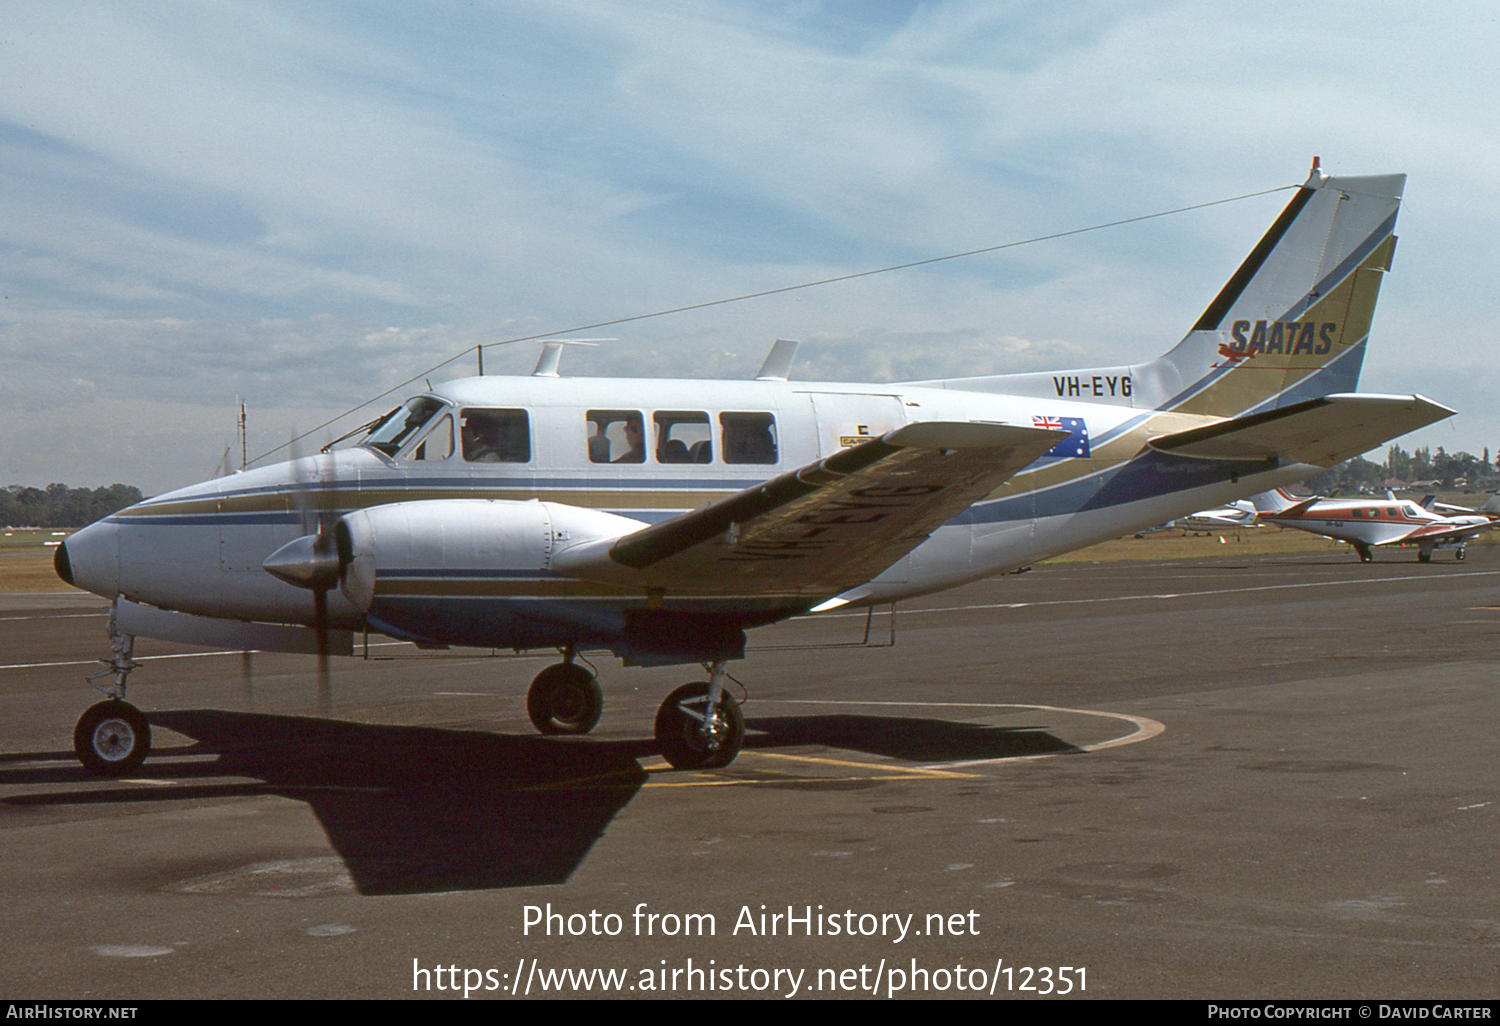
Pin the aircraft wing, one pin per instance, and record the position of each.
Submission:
(822, 529)
(1440, 532)
(1322, 432)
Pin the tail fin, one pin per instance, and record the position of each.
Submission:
(1292, 323)
(1289, 326)
(1279, 500)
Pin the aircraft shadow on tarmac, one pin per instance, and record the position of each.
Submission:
(911, 738)
(422, 809)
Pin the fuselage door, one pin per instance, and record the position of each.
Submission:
(846, 419)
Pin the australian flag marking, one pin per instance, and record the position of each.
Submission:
(1076, 445)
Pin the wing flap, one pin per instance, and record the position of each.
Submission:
(1321, 432)
(824, 528)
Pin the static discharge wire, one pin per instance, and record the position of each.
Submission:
(479, 348)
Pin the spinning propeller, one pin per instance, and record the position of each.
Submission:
(311, 561)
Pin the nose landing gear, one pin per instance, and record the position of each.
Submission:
(112, 737)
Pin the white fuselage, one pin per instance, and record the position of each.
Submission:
(199, 550)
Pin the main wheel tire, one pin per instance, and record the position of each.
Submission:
(112, 738)
(1424, 557)
(684, 741)
(565, 699)
(1459, 555)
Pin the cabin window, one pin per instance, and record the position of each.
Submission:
(683, 437)
(616, 436)
(749, 437)
(399, 426)
(437, 445)
(496, 436)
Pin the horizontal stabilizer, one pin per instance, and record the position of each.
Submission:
(824, 528)
(1321, 432)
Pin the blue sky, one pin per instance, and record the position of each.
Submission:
(305, 204)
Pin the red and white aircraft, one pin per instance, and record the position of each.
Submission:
(1366, 522)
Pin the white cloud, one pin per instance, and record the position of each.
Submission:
(234, 198)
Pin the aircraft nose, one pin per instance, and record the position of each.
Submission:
(90, 559)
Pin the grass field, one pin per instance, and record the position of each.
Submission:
(26, 559)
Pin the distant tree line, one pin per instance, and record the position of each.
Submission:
(1453, 470)
(57, 505)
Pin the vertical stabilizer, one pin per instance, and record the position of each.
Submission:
(1292, 322)
(1289, 325)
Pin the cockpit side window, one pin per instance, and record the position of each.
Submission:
(496, 436)
(616, 436)
(437, 444)
(749, 437)
(401, 425)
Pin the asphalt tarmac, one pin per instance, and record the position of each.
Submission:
(1269, 777)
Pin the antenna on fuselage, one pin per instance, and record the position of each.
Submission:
(778, 361)
(546, 364)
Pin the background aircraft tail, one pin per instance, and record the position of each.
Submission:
(1289, 326)
(1277, 500)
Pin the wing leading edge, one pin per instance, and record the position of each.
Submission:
(822, 529)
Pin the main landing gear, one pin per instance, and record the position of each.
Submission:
(112, 737)
(699, 726)
(565, 699)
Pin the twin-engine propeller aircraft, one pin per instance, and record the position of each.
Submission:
(1367, 522)
(661, 519)
(1235, 516)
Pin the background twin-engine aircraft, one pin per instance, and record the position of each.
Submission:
(1365, 522)
(659, 520)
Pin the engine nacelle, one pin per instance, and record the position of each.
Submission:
(438, 545)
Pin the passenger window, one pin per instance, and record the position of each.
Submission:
(496, 436)
(438, 445)
(749, 437)
(683, 437)
(616, 436)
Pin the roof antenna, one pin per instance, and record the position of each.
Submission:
(778, 361)
(546, 364)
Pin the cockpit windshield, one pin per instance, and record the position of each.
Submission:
(394, 429)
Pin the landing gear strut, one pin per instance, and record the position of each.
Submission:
(1365, 555)
(565, 699)
(699, 726)
(112, 737)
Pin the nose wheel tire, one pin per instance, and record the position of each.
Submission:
(565, 699)
(692, 739)
(112, 738)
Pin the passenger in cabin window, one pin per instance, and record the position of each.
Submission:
(496, 436)
(481, 440)
(749, 437)
(635, 440)
(616, 436)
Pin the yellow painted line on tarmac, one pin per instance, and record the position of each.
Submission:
(1145, 727)
(660, 774)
